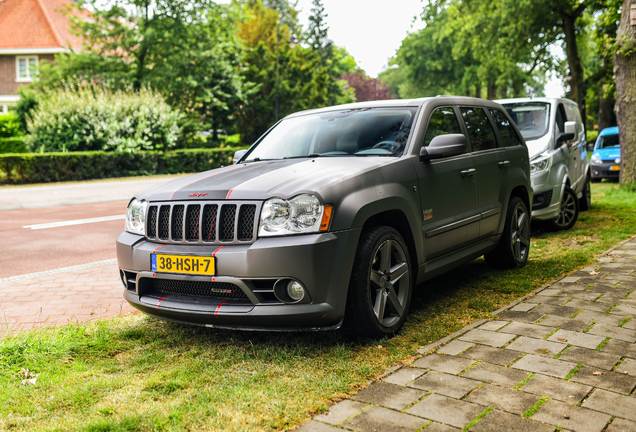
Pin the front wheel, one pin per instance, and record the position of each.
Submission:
(514, 245)
(568, 213)
(585, 203)
(381, 284)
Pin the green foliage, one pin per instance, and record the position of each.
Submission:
(26, 106)
(187, 51)
(307, 77)
(54, 167)
(91, 119)
(9, 125)
(13, 145)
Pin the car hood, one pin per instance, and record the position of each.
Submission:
(263, 180)
(538, 146)
(608, 153)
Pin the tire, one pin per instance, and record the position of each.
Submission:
(585, 203)
(514, 246)
(381, 285)
(569, 212)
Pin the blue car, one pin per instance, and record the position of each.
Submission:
(606, 157)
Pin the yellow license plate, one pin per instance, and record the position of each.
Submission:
(183, 264)
(615, 168)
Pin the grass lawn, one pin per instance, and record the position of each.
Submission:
(138, 373)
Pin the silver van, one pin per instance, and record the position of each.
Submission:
(559, 168)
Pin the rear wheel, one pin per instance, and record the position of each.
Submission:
(585, 203)
(381, 285)
(514, 245)
(568, 213)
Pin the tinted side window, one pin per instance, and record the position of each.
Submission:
(507, 132)
(560, 118)
(480, 132)
(443, 121)
(574, 115)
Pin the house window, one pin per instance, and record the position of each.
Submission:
(26, 68)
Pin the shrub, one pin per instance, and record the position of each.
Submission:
(52, 167)
(26, 106)
(93, 119)
(13, 145)
(9, 126)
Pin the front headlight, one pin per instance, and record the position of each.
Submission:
(301, 214)
(596, 160)
(136, 217)
(540, 164)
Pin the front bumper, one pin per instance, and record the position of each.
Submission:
(257, 274)
(603, 171)
(547, 197)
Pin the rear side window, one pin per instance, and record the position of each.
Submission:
(480, 131)
(443, 121)
(507, 132)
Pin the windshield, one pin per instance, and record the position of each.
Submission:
(532, 118)
(360, 132)
(608, 141)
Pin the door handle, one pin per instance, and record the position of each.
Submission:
(504, 164)
(469, 172)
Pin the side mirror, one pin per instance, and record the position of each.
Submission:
(569, 134)
(238, 155)
(443, 146)
(570, 127)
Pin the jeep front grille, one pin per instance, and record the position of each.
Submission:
(203, 223)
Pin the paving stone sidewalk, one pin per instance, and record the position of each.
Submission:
(78, 294)
(564, 358)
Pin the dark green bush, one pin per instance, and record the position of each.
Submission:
(54, 167)
(94, 119)
(9, 126)
(13, 145)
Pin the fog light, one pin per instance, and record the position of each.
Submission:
(295, 291)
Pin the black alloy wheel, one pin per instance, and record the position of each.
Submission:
(568, 212)
(514, 246)
(381, 285)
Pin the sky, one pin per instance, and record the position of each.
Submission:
(371, 30)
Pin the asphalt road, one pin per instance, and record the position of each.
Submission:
(26, 250)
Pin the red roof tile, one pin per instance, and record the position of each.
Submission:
(35, 24)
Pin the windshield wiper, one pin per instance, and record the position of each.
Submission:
(311, 155)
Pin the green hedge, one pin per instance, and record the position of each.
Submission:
(54, 167)
(13, 145)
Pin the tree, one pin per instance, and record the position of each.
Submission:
(186, 50)
(317, 36)
(306, 79)
(367, 89)
(625, 72)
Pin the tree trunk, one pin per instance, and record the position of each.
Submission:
(625, 73)
(478, 92)
(504, 92)
(492, 91)
(577, 85)
(606, 117)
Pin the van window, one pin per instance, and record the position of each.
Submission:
(532, 118)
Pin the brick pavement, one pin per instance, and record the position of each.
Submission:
(563, 358)
(77, 294)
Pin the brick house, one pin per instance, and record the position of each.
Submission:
(30, 31)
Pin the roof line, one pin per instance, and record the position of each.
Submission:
(48, 19)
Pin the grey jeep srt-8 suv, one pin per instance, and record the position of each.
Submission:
(332, 217)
